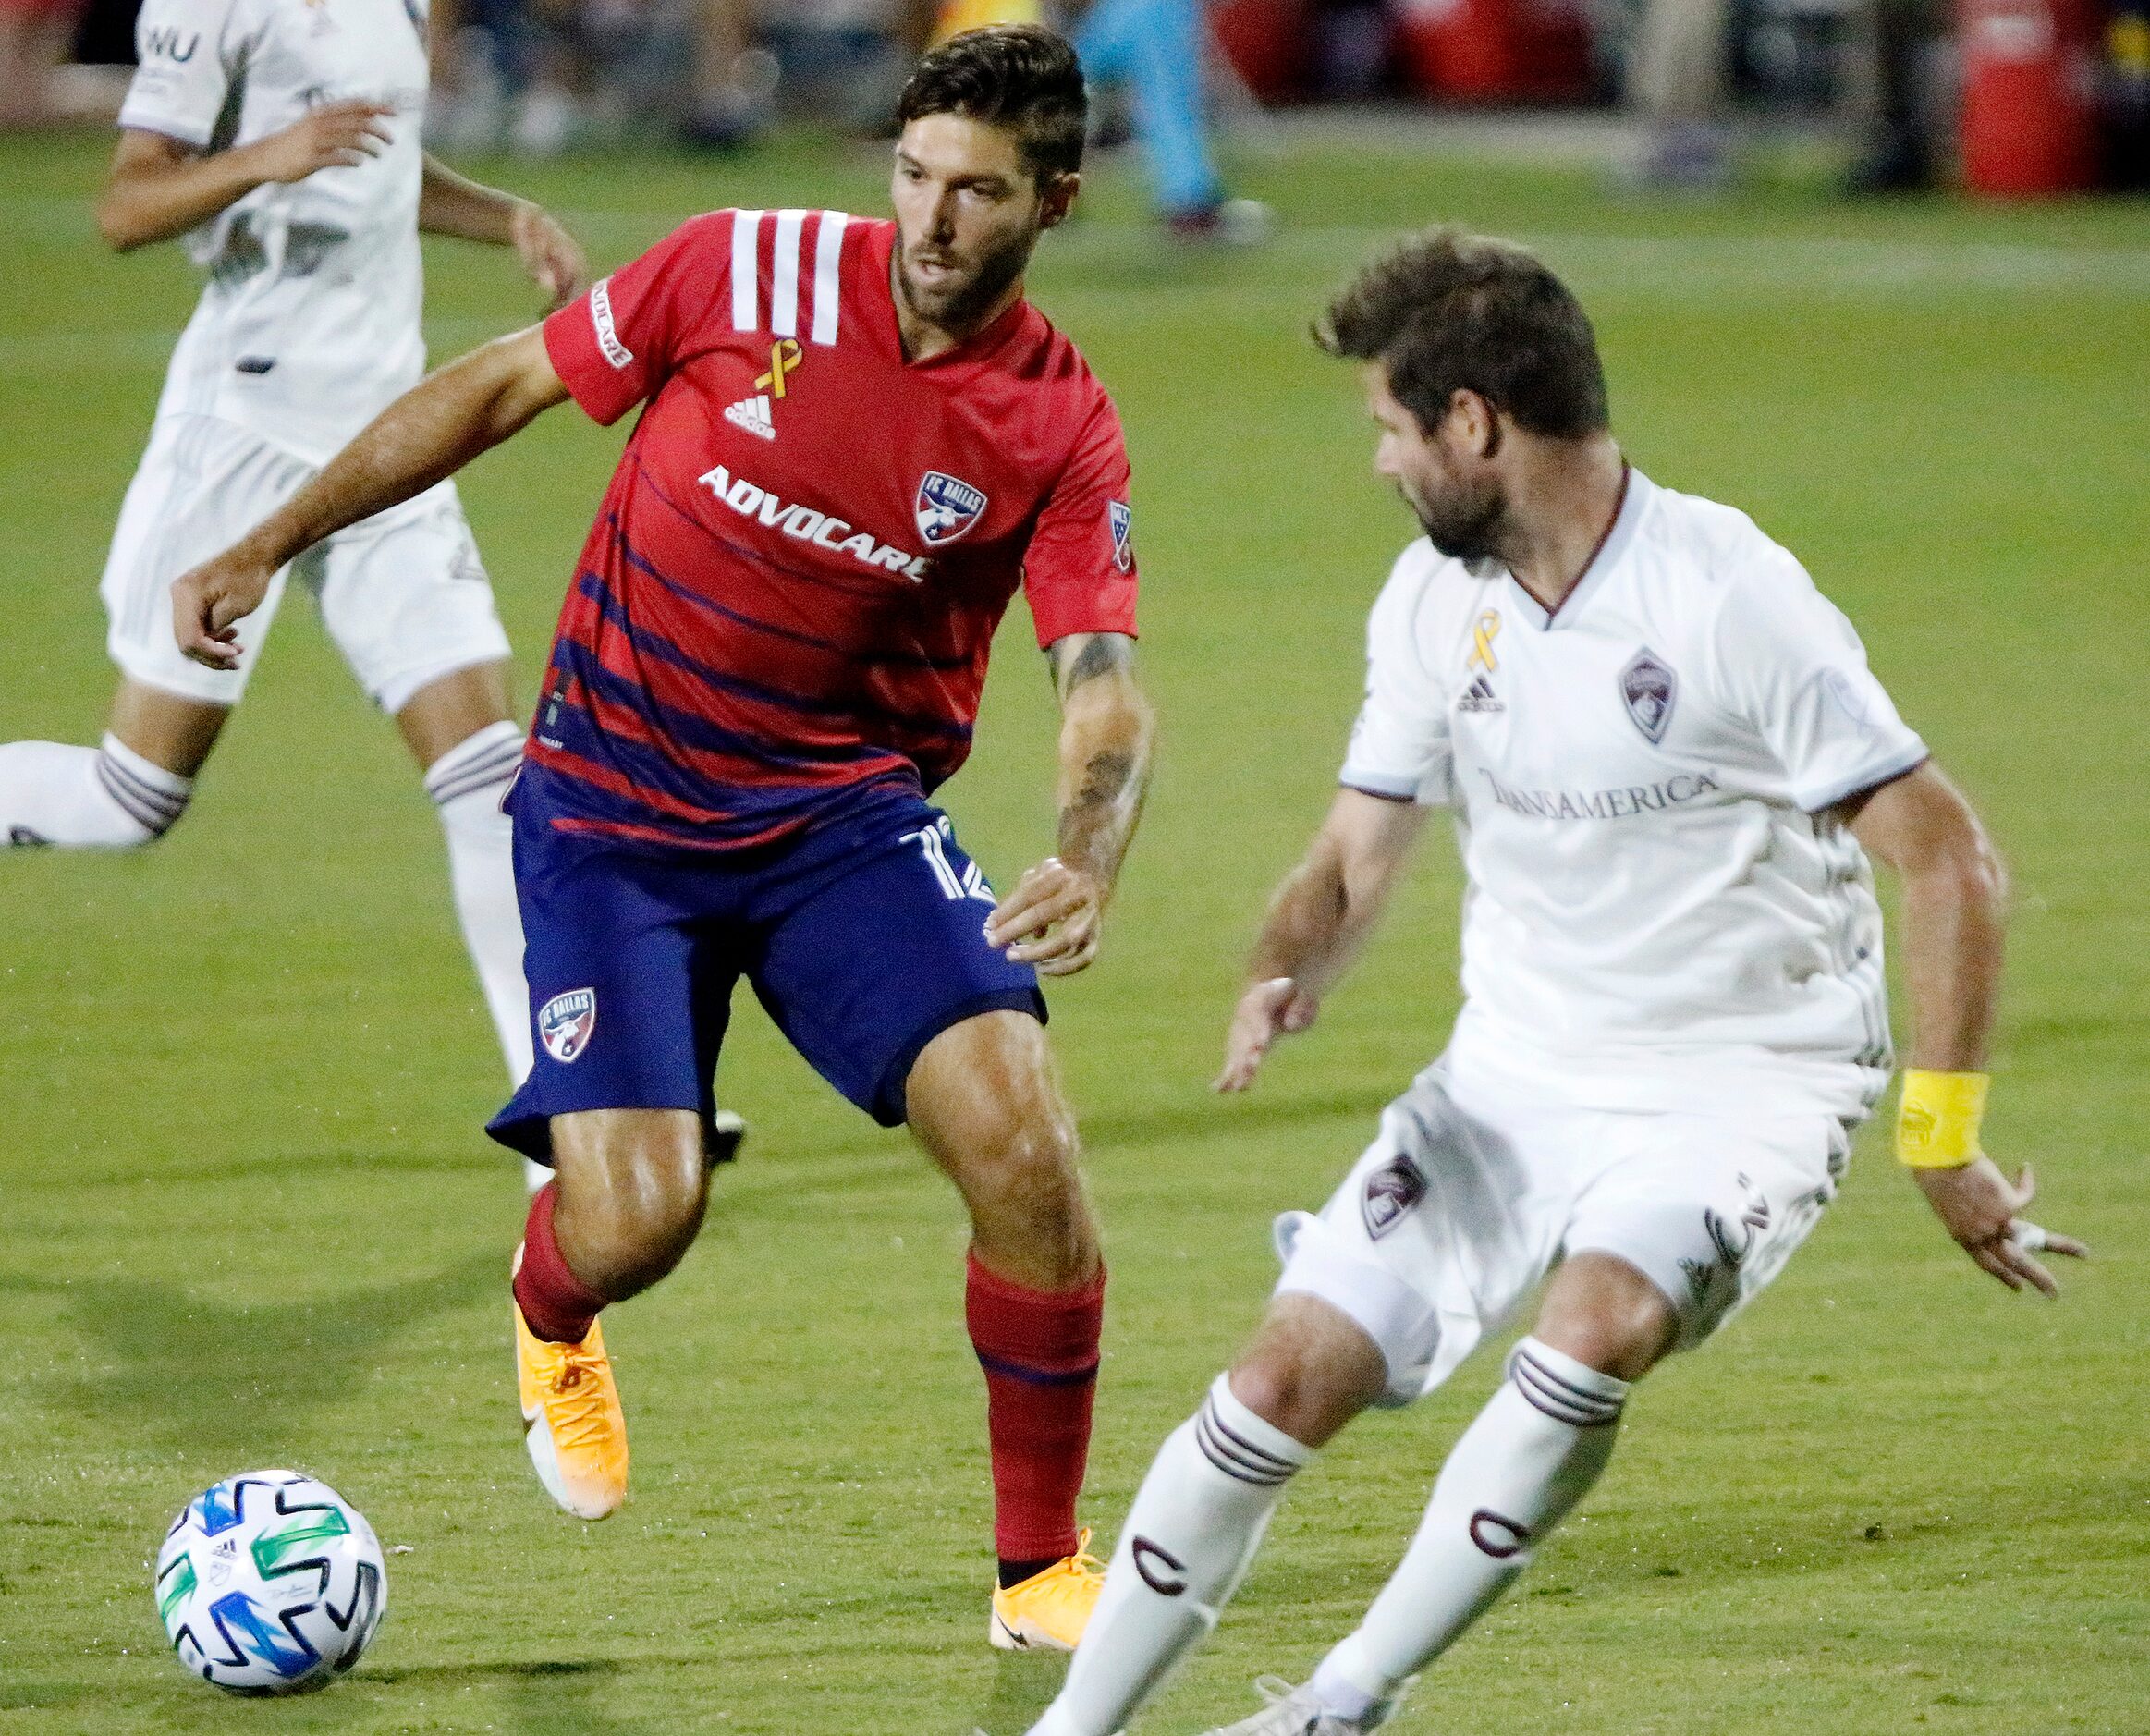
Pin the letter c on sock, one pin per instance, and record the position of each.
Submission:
(1162, 1572)
(1499, 1537)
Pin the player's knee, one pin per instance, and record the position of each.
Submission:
(1608, 1316)
(1026, 1199)
(635, 1220)
(1308, 1384)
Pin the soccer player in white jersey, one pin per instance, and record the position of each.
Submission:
(281, 140)
(1668, 764)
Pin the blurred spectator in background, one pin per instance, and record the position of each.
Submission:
(36, 39)
(1158, 52)
(1678, 82)
(1889, 95)
(1679, 77)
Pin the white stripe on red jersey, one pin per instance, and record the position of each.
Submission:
(828, 252)
(746, 271)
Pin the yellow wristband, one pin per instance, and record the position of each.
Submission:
(1936, 1123)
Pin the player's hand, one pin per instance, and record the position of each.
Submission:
(336, 135)
(1269, 1009)
(1980, 1205)
(552, 257)
(208, 603)
(1052, 920)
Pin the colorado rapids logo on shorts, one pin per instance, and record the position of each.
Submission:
(565, 1022)
(1392, 1192)
(946, 507)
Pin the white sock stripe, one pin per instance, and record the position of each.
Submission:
(151, 794)
(746, 270)
(151, 820)
(485, 757)
(154, 809)
(475, 782)
(1242, 1428)
(1232, 1457)
(487, 773)
(1560, 1394)
(784, 274)
(828, 295)
(1556, 1406)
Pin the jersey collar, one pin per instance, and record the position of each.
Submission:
(1635, 492)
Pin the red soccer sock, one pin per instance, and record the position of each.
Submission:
(1039, 1351)
(556, 1304)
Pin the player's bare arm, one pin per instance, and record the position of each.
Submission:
(1054, 917)
(452, 204)
(1952, 939)
(1318, 920)
(430, 433)
(160, 186)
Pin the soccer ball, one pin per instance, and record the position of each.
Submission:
(270, 1583)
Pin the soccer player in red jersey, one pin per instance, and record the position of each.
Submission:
(858, 440)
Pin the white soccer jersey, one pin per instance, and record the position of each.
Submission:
(309, 325)
(1660, 914)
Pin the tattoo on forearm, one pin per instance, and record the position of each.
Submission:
(1084, 656)
(1099, 820)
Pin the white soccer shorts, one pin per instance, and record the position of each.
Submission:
(404, 596)
(1473, 1192)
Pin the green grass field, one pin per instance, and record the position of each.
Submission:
(247, 1216)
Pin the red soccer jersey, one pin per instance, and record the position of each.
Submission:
(790, 593)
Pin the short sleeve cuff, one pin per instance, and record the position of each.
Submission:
(1817, 798)
(602, 389)
(139, 117)
(1104, 608)
(1389, 786)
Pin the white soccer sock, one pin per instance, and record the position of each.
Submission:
(102, 797)
(1531, 1455)
(466, 784)
(1195, 1525)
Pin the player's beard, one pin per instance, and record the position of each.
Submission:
(958, 306)
(1463, 523)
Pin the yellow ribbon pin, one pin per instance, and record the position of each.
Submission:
(1482, 638)
(783, 360)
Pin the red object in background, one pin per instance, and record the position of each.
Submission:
(2030, 95)
(1485, 51)
(1269, 43)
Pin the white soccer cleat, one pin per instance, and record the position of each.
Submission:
(1295, 1712)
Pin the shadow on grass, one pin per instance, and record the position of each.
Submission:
(209, 1379)
(547, 1696)
(1024, 1686)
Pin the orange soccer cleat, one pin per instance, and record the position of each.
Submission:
(1048, 1610)
(572, 1419)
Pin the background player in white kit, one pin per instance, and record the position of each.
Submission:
(282, 140)
(1667, 762)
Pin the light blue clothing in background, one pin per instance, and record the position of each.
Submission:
(1156, 48)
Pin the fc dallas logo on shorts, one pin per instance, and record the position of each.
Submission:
(565, 1022)
(947, 507)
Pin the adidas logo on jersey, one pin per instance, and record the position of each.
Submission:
(1480, 696)
(752, 414)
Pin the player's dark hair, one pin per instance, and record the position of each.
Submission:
(1447, 312)
(1019, 77)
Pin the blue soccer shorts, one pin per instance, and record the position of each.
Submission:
(863, 938)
